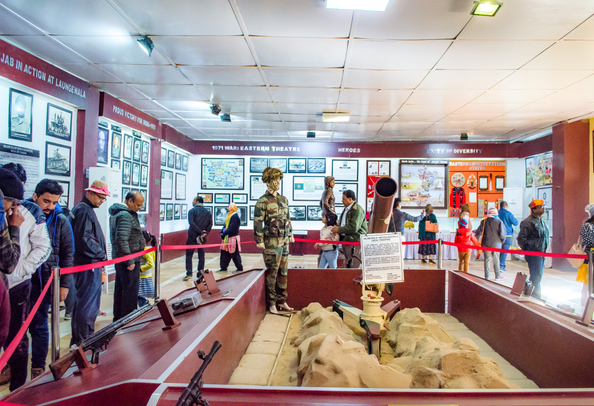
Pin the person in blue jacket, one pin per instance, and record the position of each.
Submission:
(509, 221)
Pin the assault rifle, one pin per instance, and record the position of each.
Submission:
(191, 395)
(95, 343)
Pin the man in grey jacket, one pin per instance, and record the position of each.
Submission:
(126, 238)
(493, 235)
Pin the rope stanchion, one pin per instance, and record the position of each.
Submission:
(518, 252)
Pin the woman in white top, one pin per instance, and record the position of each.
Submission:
(329, 252)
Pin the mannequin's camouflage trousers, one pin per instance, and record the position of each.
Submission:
(276, 260)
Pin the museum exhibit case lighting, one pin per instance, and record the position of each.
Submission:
(368, 5)
(146, 44)
(329, 116)
(486, 8)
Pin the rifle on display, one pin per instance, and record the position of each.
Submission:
(95, 343)
(191, 395)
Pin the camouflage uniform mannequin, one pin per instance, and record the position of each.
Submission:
(273, 233)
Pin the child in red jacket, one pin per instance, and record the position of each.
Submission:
(464, 236)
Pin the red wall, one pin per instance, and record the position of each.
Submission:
(86, 142)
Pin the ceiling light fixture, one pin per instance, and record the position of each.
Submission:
(215, 109)
(225, 117)
(339, 116)
(486, 8)
(146, 44)
(368, 5)
(311, 134)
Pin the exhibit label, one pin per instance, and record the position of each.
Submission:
(382, 258)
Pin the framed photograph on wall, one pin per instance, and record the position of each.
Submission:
(308, 188)
(166, 184)
(177, 211)
(143, 193)
(240, 198)
(162, 212)
(65, 197)
(102, 145)
(546, 194)
(257, 165)
(163, 157)
(340, 187)
(243, 215)
(178, 161)
(125, 191)
(345, 170)
(135, 174)
(314, 213)
(279, 163)
(297, 213)
(424, 182)
(116, 145)
(144, 158)
(126, 173)
(207, 197)
(59, 122)
(316, 165)
(219, 173)
(180, 186)
(127, 146)
(171, 159)
(297, 165)
(258, 187)
(252, 211)
(184, 163)
(144, 175)
(137, 151)
(57, 159)
(169, 214)
(209, 209)
(115, 164)
(184, 211)
(220, 215)
(221, 198)
(20, 115)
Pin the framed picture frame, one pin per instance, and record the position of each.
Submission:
(258, 187)
(278, 163)
(57, 159)
(116, 164)
(137, 150)
(135, 174)
(126, 172)
(220, 173)
(144, 194)
(209, 208)
(59, 122)
(316, 165)
(220, 215)
(423, 182)
(184, 163)
(239, 198)
(297, 165)
(163, 157)
(243, 215)
(180, 186)
(177, 211)
(116, 145)
(220, 198)
(500, 182)
(166, 184)
(171, 159)
(127, 152)
(252, 211)
(297, 213)
(184, 211)
(178, 161)
(483, 183)
(144, 171)
(64, 199)
(207, 197)
(345, 170)
(144, 157)
(125, 191)
(308, 188)
(20, 115)
(258, 164)
(169, 212)
(161, 212)
(314, 213)
(102, 145)
(340, 187)
(546, 193)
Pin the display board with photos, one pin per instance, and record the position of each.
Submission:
(65, 197)
(169, 212)
(308, 188)
(316, 165)
(127, 151)
(59, 122)
(375, 171)
(252, 212)
(57, 159)
(240, 198)
(423, 182)
(162, 212)
(221, 198)
(206, 197)
(218, 173)
(220, 215)
(340, 187)
(314, 213)
(297, 165)
(346, 170)
(258, 187)
(184, 211)
(278, 163)
(177, 211)
(258, 164)
(166, 184)
(243, 215)
(297, 213)
(174, 164)
(180, 186)
(539, 170)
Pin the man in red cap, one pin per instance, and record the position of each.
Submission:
(534, 236)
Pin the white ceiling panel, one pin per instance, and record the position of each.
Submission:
(453, 127)
(565, 55)
(463, 79)
(161, 114)
(302, 135)
(418, 19)
(480, 108)
(300, 126)
(447, 97)
(223, 75)
(253, 124)
(354, 136)
(171, 92)
(584, 32)
(47, 48)
(185, 17)
(396, 55)
(255, 116)
(570, 96)
(478, 116)
(512, 96)
(144, 104)
(304, 77)
(543, 79)
(90, 73)
(369, 118)
(186, 105)
(362, 96)
(427, 110)
(10, 24)
(398, 118)
(491, 54)
(236, 93)
(364, 110)
(364, 127)
(146, 74)
(294, 18)
(503, 125)
(302, 108)
(301, 52)
(312, 118)
(200, 114)
(416, 126)
(205, 50)
(243, 107)
(120, 91)
(305, 95)
(530, 19)
(384, 79)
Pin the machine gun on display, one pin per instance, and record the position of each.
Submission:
(191, 395)
(95, 343)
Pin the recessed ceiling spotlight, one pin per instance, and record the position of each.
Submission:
(215, 109)
(339, 116)
(146, 44)
(226, 117)
(368, 5)
(486, 8)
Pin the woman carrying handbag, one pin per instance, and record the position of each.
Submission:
(586, 241)
(428, 230)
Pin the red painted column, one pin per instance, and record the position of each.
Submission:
(87, 123)
(571, 158)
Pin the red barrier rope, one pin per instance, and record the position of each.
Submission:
(518, 252)
(95, 265)
(187, 247)
(418, 242)
(19, 336)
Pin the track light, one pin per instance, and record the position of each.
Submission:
(486, 8)
(146, 44)
(330, 116)
(215, 109)
(464, 137)
(225, 117)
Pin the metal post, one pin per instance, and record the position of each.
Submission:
(158, 269)
(439, 253)
(56, 315)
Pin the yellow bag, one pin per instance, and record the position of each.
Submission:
(582, 275)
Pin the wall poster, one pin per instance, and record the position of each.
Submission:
(375, 171)
(423, 182)
(166, 186)
(308, 187)
(539, 170)
(29, 158)
(345, 170)
(258, 187)
(180, 186)
(222, 173)
(340, 187)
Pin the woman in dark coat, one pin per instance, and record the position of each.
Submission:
(427, 249)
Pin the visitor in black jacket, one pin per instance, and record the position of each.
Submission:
(230, 235)
(46, 196)
(89, 244)
(200, 221)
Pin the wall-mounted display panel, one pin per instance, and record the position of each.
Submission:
(340, 187)
(314, 213)
(127, 146)
(57, 159)
(206, 197)
(539, 170)
(184, 211)
(297, 213)
(116, 145)
(222, 173)
(177, 211)
(279, 163)
(222, 198)
(258, 187)
(423, 182)
(162, 212)
(169, 212)
(257, 165)
(59, 122)
(180, 186)
(166, 184)
(345, 170)
(243, 215)
(20, 115)
(220, 215)
(252, 211)
(297, 165)
(308, 188)
(65, 197)
(240, 198)
(316, 165)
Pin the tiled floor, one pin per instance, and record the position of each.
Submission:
(556, 285)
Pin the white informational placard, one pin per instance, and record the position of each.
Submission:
(382, 258)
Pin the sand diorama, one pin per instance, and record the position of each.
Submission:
(320, 350)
